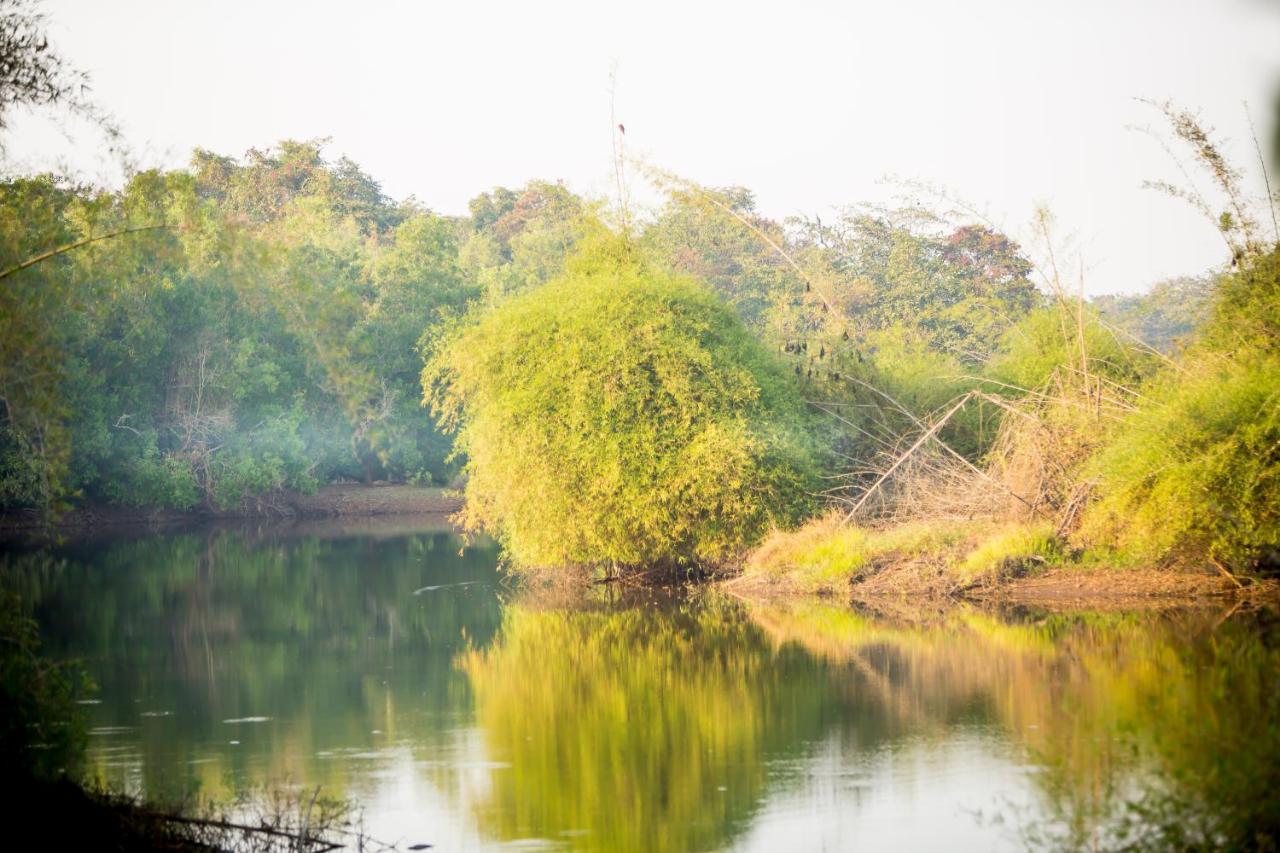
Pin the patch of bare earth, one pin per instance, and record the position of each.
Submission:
(1134, 587)
(930, 579)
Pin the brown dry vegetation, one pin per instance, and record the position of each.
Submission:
(1116, 471)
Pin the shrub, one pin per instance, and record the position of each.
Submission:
(152, 478)
(1196, 470)
(620, 415)
(1048, 340)
(1246, 310)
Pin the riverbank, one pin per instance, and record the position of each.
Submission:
(339, 500)
(974, 560)
(940, 560)
(1056, 589)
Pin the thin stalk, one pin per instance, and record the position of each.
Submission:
(53, 253)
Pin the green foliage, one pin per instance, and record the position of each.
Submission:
(1048, 341)
(908, 374)
(268, 340)
(519, 239)
(148, 478)
(1196, 470)
(694, 237)
(1165, 316)
(1246, 310)
(621, 414)
(958, 287)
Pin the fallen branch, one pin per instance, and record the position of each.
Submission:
(903, 458)
(1222, 569)
(212, 823)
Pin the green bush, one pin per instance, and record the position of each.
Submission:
(150, 478)
(621, 415)
(268, 459)
(1246, 311)
(1196, 470)
(1048, 339)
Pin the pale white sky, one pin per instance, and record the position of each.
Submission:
(1009, 104)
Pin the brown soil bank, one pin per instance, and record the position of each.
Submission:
(1057, 588)
(1066, 587)
(973, 559)
(334, 501)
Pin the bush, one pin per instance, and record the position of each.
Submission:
(1196, 470)
(1246, 310)
(152, 478)
(1048, 340)
(621, 415)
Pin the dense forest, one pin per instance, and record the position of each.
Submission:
(622, 388)
(211, 337)
(241, 327)
(659, 433)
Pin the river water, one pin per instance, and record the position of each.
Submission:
(401, 671)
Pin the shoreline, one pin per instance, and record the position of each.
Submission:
(394, 509)
(339, 500)
(1055, 589)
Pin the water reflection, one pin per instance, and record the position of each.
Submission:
(397, 670)
(1153, 730)
(638, 728)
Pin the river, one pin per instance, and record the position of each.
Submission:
(408, 674)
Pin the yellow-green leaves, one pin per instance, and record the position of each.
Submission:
(620, 415)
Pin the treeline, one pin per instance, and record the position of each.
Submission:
(213, 336)
(686, 387)
(241, 327)
(210, 336)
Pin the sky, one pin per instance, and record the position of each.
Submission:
(814, 106)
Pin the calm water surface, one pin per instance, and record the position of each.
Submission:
(405, 673)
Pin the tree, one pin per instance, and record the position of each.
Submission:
(695, 237)
(960, 287)
(34, 75)
(620, 415)
(520, 238)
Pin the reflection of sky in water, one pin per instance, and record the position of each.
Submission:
(227, 663)
(916, 795)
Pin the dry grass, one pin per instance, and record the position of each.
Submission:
(925, 556)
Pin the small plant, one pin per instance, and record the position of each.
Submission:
(1013, 549)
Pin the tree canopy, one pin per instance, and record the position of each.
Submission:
(621, 414)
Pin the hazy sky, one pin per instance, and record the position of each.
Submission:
(811, 105)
